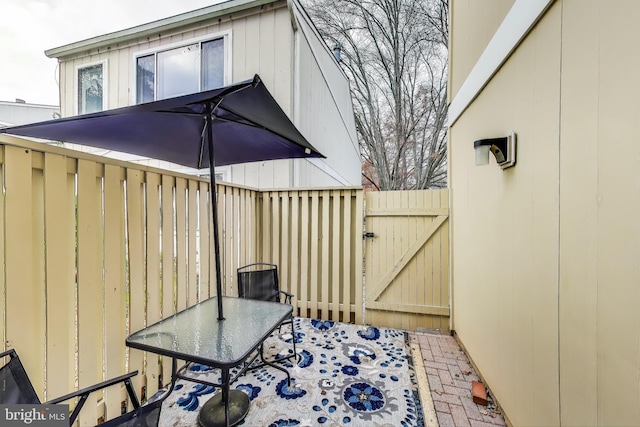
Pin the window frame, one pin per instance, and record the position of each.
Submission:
(226, 42)
(224, 172)
(105, 84)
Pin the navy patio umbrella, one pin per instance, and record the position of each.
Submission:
(241, 122)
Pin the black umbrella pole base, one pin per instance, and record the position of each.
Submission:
(212, 412)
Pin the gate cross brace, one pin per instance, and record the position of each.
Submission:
(406, 258)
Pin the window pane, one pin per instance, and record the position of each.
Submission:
(145, 66)
(90, 89)
(178, 71)
(213, 64)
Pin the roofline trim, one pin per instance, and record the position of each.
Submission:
(520, 20)
(151, 28)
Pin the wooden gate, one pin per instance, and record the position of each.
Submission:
(407, 259)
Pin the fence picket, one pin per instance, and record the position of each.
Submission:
(59, 227)
(90, 307)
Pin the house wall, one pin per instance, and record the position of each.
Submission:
(323, 106)
(505, 239)
(263, 42)
(485, 18)
(600, 214)
(545, 277)
(17, 113)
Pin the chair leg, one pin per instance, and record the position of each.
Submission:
(273, 365)
(293, 338)
(293, 334)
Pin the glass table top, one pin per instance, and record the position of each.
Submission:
(196, 334)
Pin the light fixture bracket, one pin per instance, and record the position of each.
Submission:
(503, 149)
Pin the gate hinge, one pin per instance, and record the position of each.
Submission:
(368, 234)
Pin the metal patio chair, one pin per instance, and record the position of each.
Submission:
(260, 281)
(16, 388)
(147, 415)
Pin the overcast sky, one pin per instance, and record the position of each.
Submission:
(29, 27)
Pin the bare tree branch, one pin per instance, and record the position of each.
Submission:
(395, 55)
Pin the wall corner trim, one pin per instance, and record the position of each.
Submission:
(514, 28)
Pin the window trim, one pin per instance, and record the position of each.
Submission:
(225, 171)
(226, 35)
(105, 84)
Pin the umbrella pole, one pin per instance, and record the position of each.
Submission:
(214, 207)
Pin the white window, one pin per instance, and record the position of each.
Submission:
(91, 88)
(181, 70)
(223, 173)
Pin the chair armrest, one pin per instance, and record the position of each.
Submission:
(10, 352)
(287, 296)
(84, 393)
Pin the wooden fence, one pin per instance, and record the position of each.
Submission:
(93, 249)
(315, 236)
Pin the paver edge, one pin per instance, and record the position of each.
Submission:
(430, 417)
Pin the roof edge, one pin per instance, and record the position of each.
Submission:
(165, 24)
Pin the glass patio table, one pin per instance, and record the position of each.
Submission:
(196, 335)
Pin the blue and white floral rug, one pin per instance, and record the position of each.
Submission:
(344, 374)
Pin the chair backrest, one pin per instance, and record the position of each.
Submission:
(259, 281)
(15, 385)
(16, 388)
(145, 416)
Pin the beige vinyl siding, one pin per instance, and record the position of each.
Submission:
(600, 211)
(466, 46)
(546, 254)
(579, 221)
(121, 57)
(505, 231)
(260, 42)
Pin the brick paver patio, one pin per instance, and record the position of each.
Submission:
(448, 377)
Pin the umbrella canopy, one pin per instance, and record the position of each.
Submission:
(241, 122)
(249, 126)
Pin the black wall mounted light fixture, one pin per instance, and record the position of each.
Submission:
(503, 149)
